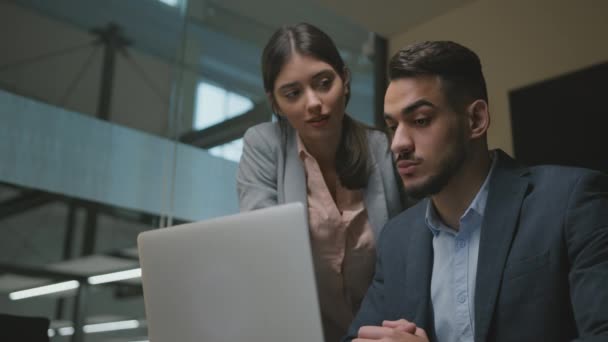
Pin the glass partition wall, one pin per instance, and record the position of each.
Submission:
(118, 117)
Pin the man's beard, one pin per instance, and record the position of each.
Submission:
(448, 167)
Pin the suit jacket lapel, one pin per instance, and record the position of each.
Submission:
(375, 199)
(295, 178)
(506, 194)
(419, 260)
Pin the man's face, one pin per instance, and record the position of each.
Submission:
(429, 139)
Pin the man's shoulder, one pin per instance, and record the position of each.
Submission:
(553, 178)
(549, 179)
(548, 172)
(554, 190)
(408, 221)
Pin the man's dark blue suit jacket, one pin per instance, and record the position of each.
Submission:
(542, 271)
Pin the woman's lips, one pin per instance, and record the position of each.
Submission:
(319, 122)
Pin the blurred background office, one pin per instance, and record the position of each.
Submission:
(118, 117)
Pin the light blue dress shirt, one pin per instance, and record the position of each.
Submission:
(455, 269)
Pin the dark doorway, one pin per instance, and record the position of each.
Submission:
(563, 120)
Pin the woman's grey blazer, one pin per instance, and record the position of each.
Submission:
(271, 172)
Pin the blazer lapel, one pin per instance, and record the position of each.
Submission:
(294, 177)
(418, 258)
(375, 200)
(506, 194)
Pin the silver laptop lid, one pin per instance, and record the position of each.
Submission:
(246, 277)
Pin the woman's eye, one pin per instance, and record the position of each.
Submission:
(325, 83)
(291, 94)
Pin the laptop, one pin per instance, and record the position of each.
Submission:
(245, 277)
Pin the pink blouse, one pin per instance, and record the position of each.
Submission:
(342, 245)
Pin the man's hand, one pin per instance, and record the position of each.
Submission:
(392, 331)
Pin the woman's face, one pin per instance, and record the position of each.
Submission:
(310, 94)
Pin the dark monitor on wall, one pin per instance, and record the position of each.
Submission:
(21, 328)
(563, 120)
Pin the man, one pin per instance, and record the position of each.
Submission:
(495, 251)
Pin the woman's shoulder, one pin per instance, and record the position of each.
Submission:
(377, 138)
(267, 138)
(263, 133)
(266, 134)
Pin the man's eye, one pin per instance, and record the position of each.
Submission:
(422, 122)
(391, 128)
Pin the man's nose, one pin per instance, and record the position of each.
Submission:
(401, 141)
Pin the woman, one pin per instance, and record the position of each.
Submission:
(316, 154)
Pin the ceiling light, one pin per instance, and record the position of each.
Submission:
(97, 327)
(170, 2)
(111, 326)
(115, 276)
(66, 331)
(43, 290)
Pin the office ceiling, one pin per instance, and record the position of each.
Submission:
(232, 32)
(388, 17)
(385, 17)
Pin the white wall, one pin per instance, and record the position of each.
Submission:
(520, 42)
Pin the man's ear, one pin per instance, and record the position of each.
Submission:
(479, 118)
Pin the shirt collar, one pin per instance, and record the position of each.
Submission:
(474, 213)
(302, 152)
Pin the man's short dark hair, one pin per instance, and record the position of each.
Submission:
(458, 68)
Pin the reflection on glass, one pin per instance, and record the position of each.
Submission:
(49, 238)
(230, 151)
(215, 104)
(170, 2)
